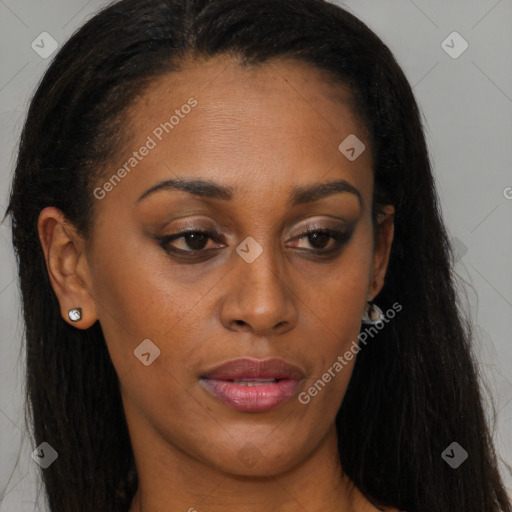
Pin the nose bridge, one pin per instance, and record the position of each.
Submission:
(260, 268)
(259, 296)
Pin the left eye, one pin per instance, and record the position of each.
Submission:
(319, 239)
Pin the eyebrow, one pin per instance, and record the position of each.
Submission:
(211, 190)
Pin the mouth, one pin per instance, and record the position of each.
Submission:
(252, 385)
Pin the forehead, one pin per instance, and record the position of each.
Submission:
(254, 129)
(271, 94)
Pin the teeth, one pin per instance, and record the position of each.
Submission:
(240, 383)
(255, 379)
(253, 382)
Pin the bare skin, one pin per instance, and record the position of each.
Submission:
(262, 131)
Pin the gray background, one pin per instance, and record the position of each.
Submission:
(467, 106)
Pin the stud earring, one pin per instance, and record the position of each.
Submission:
(75, 314)
(372, 314)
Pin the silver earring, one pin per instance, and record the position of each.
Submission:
(372, 314)
(75, 314)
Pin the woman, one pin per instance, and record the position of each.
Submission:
(236, 280)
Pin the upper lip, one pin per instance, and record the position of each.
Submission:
(247, 368)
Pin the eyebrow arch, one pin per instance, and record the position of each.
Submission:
(310, 193)
(209, 189)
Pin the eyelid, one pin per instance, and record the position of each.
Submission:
(187, 229)
(216, 232)
(308, 224)
(318, 225)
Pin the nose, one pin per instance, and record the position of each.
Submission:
(259, 297)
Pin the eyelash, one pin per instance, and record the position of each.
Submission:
(341, 238)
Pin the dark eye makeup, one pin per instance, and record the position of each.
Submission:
(325, 242)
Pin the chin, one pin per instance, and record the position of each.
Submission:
(255, 459)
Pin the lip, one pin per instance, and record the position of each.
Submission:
(283, 379)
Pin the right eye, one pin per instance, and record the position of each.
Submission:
(194, 239)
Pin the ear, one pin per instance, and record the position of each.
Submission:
(67, 266)
(382, 249)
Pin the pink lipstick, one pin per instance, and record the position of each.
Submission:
(253, 385)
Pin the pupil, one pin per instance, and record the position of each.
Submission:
(196, 240)
(322, 237)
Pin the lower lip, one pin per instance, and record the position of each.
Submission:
(259, 398)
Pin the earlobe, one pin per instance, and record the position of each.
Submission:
(384, 240)
(63, 250)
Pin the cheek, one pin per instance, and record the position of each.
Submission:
(139, 292)
(337, 324)
(128, 307)
(336, 306)
(336, 294)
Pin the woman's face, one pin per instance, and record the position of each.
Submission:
(258, 288)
